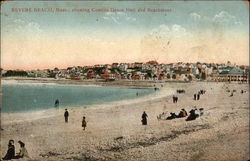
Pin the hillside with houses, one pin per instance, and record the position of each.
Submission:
(151, 70)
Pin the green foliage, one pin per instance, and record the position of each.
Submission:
(190, 78)
(99, 70)
(203, 76)
(168, 76)
(197, 76)
(10, 73)
(180, 72)
(138, 68)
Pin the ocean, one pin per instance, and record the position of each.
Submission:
(23, 97)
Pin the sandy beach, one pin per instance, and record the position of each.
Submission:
(114, 131)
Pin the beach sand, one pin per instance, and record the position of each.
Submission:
(114, 130)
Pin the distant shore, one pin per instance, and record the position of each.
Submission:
(131, 83)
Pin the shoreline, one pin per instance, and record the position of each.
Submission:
(131, 83)
(9, 116)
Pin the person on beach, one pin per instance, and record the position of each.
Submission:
(172, 116)
(201, 111)
(175, 99)
(195, 96)
(198, 96)
(183, 113)
(23, 151)
(66, 115)
(144, 118)
(10, 152)
(84, 123)
(192, 115)
(57, 103)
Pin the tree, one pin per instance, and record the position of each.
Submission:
(190, 78)
(168, 76)
(203, 76)
(10, 73)
(197, 76)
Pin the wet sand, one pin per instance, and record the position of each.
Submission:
(114, 130)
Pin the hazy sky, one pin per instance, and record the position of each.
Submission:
(188, 32)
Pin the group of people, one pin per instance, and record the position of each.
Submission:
(66, 118)
(11, 151)
(175, 99)
(242, 91)
(180, 91)
(183, 113)
(193, 115)
(197, 96)
(232, 92)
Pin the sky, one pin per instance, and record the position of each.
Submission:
(73, 33)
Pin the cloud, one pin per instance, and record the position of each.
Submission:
(195, 16)
(162, 30)
(118, 17)
(165, 31)
(33, 27)
(27, 27)
(224, 17)
(178, 29)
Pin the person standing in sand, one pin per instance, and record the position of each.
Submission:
(144, 118)
(66, 115)
(84, 123)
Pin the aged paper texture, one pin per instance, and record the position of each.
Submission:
(125, 80)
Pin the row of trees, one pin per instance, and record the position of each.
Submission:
(10, 73)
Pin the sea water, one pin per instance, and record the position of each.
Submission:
(39, 96)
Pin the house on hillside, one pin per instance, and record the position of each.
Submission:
(123, 66)
(91, 74)
(115, 65)
(230, 74)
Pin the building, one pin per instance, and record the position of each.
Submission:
(230, 74)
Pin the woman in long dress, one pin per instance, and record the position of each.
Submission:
(144, 118)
